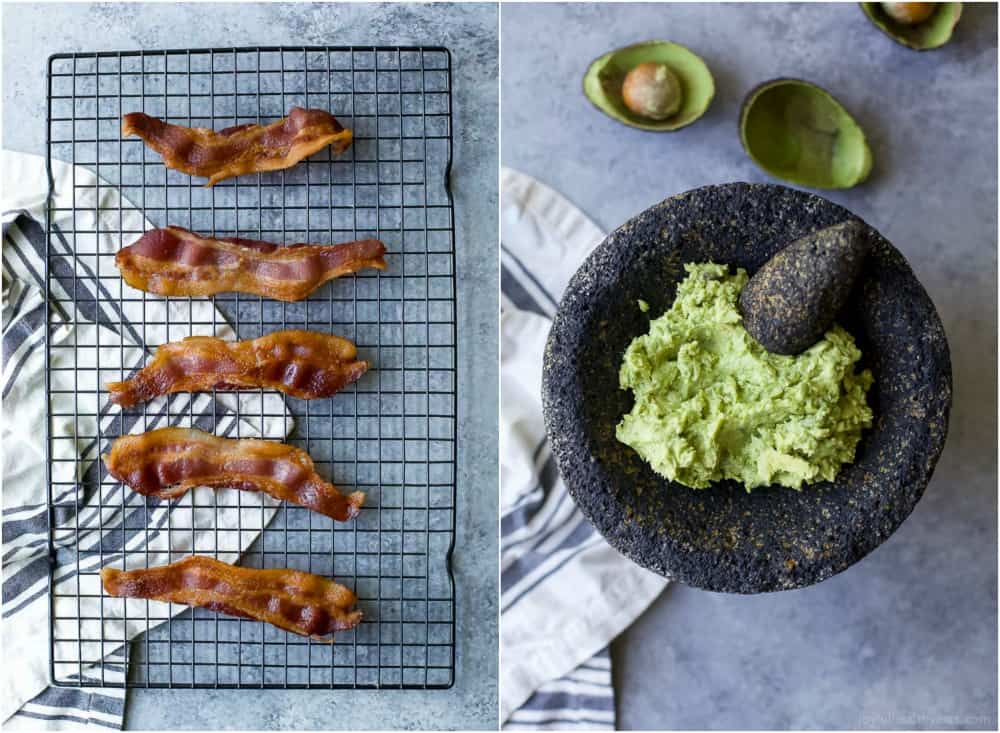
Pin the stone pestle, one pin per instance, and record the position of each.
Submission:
(792, 300)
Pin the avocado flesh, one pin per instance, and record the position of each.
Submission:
(713, 404)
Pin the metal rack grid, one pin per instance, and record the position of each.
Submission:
(393, 434)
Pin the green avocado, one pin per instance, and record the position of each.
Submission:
(603, 82)
(800, 133)
(925, 35)
(712, 404)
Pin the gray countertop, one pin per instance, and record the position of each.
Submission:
(907, 637)
(31, 32)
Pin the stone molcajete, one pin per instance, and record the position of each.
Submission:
(724, 538)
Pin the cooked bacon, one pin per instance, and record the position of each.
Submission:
(235, 151)
(169, 462)
(302, 364)
(174, 261)
(303, 603)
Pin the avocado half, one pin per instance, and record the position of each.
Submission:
(800, 133)
(604, 78)
(924, 36)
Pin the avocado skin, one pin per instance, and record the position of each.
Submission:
(795, 297)
(860, 175)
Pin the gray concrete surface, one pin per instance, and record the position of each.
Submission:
(31, 32)
(908, 637)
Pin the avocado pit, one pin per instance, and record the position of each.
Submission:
(652, 90)
(909, 13)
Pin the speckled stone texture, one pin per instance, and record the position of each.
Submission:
(794, 298)
(724, 538)
(33, 31)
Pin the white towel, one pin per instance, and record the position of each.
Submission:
(565, 593)
(86, 314)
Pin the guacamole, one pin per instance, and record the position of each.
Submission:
(711, 403)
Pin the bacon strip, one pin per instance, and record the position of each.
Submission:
(175, 261)
(169, 462)
(302, 364)
(235, 151)
(303, 603)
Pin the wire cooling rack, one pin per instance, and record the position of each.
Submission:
(392, 435)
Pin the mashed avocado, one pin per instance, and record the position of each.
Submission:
(711, 403)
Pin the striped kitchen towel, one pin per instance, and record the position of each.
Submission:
(565, 593)
(95, 519)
